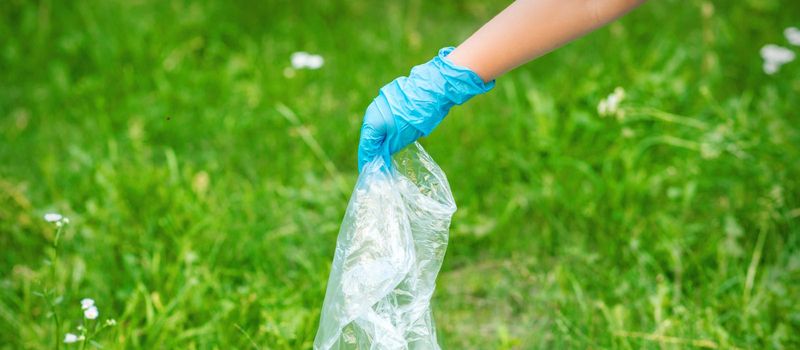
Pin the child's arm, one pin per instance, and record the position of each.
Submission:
(411, 107)
(528, 29)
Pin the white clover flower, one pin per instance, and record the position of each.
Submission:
(87, 303)
(56, 218)
(778, 54)
(793, 35)
(602, 109)
(302, 59)
(314, 62)
(91, 313)
(770, 67)
(774, 57)
(613, 102)
(53, 217)
(610, 105)
(299, 59)
(70, 338)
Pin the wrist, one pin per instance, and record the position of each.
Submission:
(431, 89)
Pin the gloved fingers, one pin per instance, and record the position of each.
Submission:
(384, 134)
(375, 133)
(370, 144)
(399, 132)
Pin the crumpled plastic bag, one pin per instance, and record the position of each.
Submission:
(390, 248)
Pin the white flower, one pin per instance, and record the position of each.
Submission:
(299, 59)
(302, 59)
(314, 62)
(91, 313)
(52, 217)
(602, 108)
(778, 54)
(613, 102)
(70, 338)
(56, 218)
(770, 67)
(610, 104)
(793, 35)
(111, 322)
(774, 57)
(86, 303)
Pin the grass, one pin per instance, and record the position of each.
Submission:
(205, 187)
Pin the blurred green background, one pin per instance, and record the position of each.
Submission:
(206, 180)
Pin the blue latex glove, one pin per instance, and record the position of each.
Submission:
(411, 107)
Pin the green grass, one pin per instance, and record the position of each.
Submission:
(204, 216)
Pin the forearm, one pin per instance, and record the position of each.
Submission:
(530, 28)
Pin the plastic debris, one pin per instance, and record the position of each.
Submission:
(388, 253)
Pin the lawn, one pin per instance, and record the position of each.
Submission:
(205, 179)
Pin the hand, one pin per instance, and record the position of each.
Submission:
(411, 107)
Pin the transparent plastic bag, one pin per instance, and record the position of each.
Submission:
(390, 248)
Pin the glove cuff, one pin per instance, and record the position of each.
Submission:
(431, 89)
(463, 80)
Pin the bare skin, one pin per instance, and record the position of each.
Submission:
(528, 29)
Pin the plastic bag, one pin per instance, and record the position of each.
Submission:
(390, 248)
